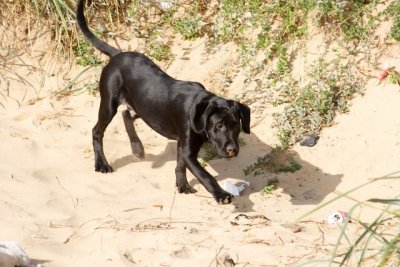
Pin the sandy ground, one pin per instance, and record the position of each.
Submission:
(63, 213)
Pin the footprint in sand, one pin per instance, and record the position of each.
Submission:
(44, 176)
(22, 116)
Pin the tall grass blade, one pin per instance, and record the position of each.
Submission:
(388, 177)
(385, 201)
(385, 247)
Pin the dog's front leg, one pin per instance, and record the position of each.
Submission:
(180, 172)
(206, 179)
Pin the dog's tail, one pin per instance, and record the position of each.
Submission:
(96, 42)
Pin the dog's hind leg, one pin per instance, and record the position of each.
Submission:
(107, 111)
(180, 172)
(136, 144)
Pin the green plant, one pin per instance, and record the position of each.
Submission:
(159, 51)
(394, 77)
(283, 65)
(393, 11)
(270, 186)
(378, 243)
(189, 26)
(230, 27)
(262, 38)
(68, 89)
(90, 88)
(132, 9)
(316, 103)
(395, 30)
(58, 16)
(277, 161)
(349, 17)
(156, 46)
(207, 152)
(85, 54)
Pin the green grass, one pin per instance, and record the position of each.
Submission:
(277, 161)
(270, 187)
(394, 77)
(377, 243)
(278, 23)
(352, 19)
(394, 11)
(268, 28)
(207, 153)
(58, 16)
(190, 25)
(85, 54)
(159, 51)
(313, 105)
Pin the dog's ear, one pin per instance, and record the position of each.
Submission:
(199, 115)
(244, 112)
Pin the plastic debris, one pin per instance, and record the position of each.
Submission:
(11, 254)
(165, 5)
(385, 72)
(235, 189)
(338, 217)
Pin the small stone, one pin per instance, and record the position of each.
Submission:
(309, 140)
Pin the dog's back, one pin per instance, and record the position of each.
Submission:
(156, 97)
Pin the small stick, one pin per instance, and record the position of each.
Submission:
(73, 201)
(172, 206)
(216, 256)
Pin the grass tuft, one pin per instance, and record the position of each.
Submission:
(378, 243)
(394, 11)
(277, 161)
(314, 104)
(271, 186)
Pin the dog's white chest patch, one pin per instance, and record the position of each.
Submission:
(132, 112)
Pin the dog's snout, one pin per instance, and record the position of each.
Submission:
(232, 150)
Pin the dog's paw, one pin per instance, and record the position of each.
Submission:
(138, 149)
(223, 197)
(103, 168)
(186, 188)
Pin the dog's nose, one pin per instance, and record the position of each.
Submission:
(232, 150)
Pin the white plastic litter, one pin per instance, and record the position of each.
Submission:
(235, 189)
(165, 5)
(11, 254)
(337, 217)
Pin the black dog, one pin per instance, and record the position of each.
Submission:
(179, 110)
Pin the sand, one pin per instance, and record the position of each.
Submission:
(63, 213)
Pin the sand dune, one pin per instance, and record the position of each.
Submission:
(65, 214)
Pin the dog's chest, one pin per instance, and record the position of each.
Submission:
(165, 129)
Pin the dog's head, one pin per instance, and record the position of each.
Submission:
(220, 120)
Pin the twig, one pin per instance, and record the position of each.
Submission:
(216, 256)
(73, 201)
(172, 206)
(77, 230)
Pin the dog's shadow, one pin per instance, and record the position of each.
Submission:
(309, 185)
(158, 160)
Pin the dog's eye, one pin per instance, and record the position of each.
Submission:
(220, 126)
